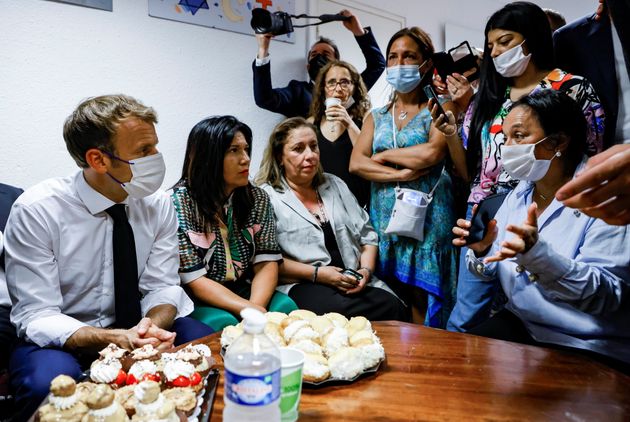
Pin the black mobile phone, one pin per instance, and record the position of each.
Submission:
(430, 93)
(353, 273)
(464, 61)
(486, 210)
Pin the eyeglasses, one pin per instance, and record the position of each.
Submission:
(332, 83)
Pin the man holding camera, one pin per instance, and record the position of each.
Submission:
(295, 98)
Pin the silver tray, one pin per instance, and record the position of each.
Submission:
(332, 380)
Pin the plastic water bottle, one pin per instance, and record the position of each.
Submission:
(252, 373)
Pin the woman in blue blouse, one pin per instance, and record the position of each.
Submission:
(566, 275)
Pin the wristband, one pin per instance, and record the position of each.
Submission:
(315, 269)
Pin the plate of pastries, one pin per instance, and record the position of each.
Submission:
(139, 385)
(335, 348)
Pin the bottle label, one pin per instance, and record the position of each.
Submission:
(251, 390)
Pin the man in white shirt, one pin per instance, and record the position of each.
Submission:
(92, 259)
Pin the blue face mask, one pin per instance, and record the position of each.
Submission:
(404, 78)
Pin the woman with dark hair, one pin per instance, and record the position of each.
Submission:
(564, 287)
(399, 148)
(518, 60)
(228, 250)
(338, 125)
(328, 244)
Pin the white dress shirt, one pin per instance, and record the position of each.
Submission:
(59, 258)
(571, 288)
(5, 300)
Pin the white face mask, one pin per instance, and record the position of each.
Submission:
(147, 175)
(512, 62)
(520, 161)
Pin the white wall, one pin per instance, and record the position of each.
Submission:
(52, 55)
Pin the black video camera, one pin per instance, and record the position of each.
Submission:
(265, 22)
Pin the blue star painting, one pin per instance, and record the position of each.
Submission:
(193, 6)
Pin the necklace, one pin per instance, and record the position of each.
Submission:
(543, 197)
(321, 215)
(402, 115)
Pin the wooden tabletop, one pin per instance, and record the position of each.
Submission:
(436, 375)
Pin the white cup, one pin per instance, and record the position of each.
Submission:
(292, 361)
(332, 101)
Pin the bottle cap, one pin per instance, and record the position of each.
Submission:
(254, 321)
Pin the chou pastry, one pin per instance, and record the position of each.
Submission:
(273, 332)
(108, 371)
(229, 334)
(125, 396)
(143, 370)
(345, 363)
(203, 349)
(84, 389)
(303, 314)
(362, 338)
(321, 324)
(338, 320)
(64, 403)
(184, 399)
(114, 351)
(103, 407)
(372, 354)
(307, 346)
(358, 323)
(151, 404)
(334, 340)
(146, 352)
(292, 328)
(315, 368)
(275, 317)
(192, 355)
(182, 374)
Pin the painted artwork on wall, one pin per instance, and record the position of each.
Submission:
(229, 15)
(95, 4)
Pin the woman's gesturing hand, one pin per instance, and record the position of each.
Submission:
(526, 237)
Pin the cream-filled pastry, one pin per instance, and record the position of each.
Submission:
(315, 368)
(273, 332)
(64, 402)
(358, 323)
(108, 371)
(184, 398)
(334, 340)
(229, 334)
(103, 407)
(192, 355)
(297, 329)
(307, 346)
(303, 314)
(345, 363)
(321, 324)
(275, 317)
(151, 405)
(371, 354)
(362, 338)
(337, 319)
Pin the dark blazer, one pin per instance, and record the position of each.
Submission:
(585, 48)
(8, 195)
(295, 98)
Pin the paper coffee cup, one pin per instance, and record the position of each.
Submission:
(292, 361)
(332, 101)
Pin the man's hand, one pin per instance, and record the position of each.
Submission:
(526, 237)
(147, 330)
(353, 25)
(602, 190)
(263, 45)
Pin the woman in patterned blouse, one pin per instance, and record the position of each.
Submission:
(228, 250)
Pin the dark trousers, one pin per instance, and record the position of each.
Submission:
(506, 326)
(32, 368)
(373, 303)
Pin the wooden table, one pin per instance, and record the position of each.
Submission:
(432, 374)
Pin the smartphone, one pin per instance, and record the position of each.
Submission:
(465, 61)
(352, 273)
(430, 93)
(486, 210)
